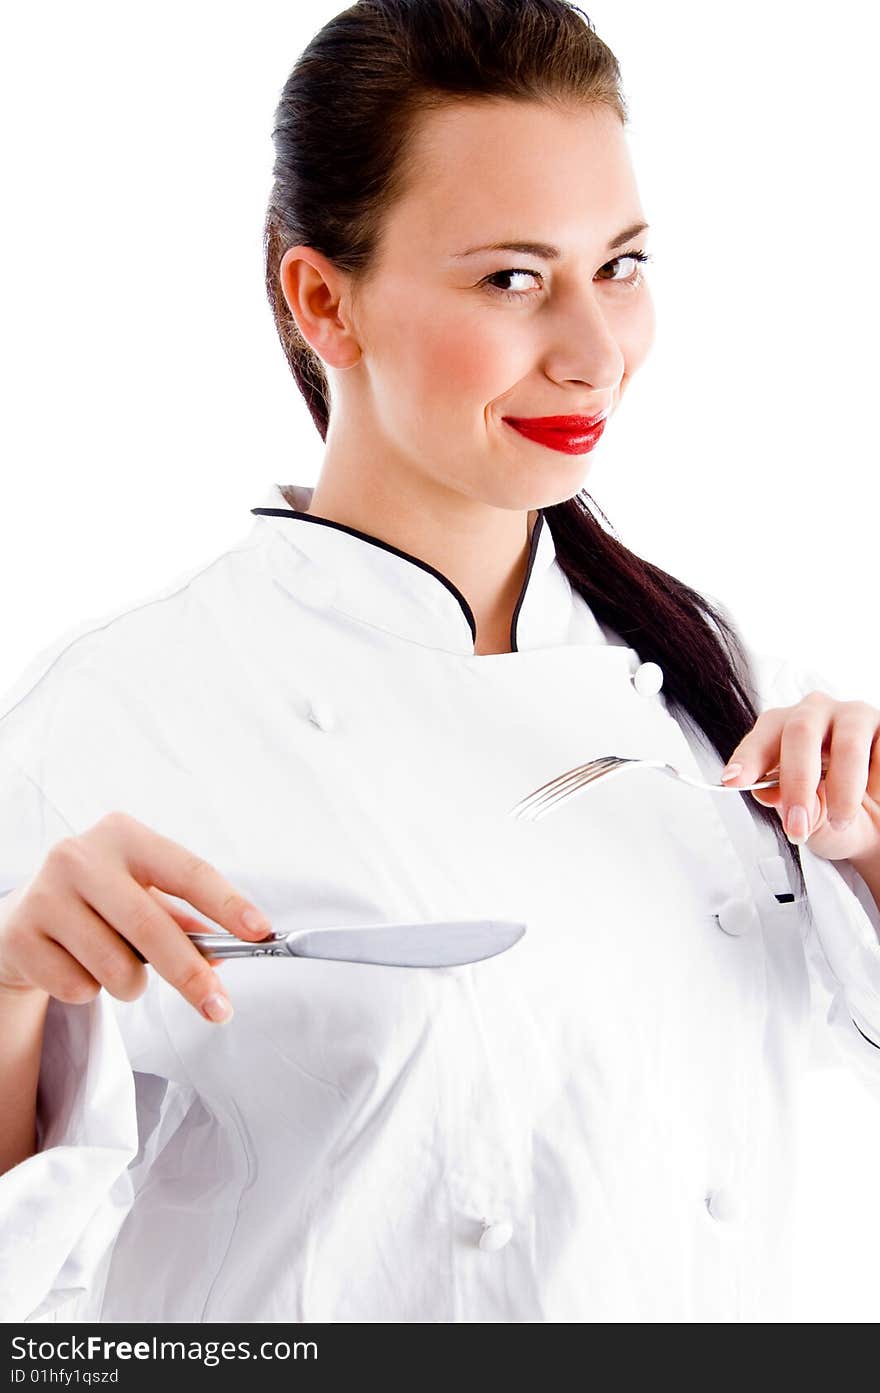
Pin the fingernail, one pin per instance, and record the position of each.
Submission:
(797, 824)
(839, 823)
(731, 771)
(255, 921)
(217, 1008)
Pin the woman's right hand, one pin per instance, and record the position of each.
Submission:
(68, 932)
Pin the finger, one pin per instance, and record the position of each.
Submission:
(770, 797)
(188, 922)
(800, 765)
(153, 858)
(853, 729)
(758, 751)
(105, 955)
(141, 921)
(45, 964)
(873, 789)
(157, 861)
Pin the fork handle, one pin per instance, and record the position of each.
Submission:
(771, 783)
(768, 783)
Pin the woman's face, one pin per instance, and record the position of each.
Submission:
(447, 354)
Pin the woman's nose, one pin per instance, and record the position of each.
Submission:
(585, 346)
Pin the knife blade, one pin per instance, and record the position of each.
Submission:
(438, 943)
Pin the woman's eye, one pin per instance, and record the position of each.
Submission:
(635, 275)
(514, 273)
(633, 279)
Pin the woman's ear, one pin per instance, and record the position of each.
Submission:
(317, 296)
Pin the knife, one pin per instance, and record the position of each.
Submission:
(441, 943)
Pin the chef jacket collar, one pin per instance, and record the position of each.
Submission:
(371, 580)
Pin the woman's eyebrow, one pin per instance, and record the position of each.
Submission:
(545, 250)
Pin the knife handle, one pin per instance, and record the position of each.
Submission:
(226, 945)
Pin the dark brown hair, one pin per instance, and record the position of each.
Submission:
(341, 135)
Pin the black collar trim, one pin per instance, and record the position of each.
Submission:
(416, 561)
(386, 546)
(533, 551)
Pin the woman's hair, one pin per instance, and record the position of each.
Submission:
(342, 136)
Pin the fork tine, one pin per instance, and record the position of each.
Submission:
(593, 769)
(525, 804)
(549, 794)
(552, 784)
(554, 797)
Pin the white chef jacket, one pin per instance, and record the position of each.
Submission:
(599, 1124)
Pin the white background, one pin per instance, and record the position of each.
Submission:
(149, 405)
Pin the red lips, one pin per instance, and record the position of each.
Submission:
(569, 424)
(573, 435)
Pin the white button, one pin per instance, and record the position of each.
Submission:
(322, 715)
(495, 1236)
(648, 679)
(736, 916)
(725, 1206)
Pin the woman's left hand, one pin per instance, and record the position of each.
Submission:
(826, 754)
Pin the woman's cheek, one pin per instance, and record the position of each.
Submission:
(461, 366)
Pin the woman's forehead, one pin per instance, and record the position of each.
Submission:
(484, 175)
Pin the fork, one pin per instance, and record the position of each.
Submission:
(551, 795)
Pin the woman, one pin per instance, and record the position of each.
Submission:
(330, 723)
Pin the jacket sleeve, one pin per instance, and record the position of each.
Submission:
(100, 1122)
(842, 931)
